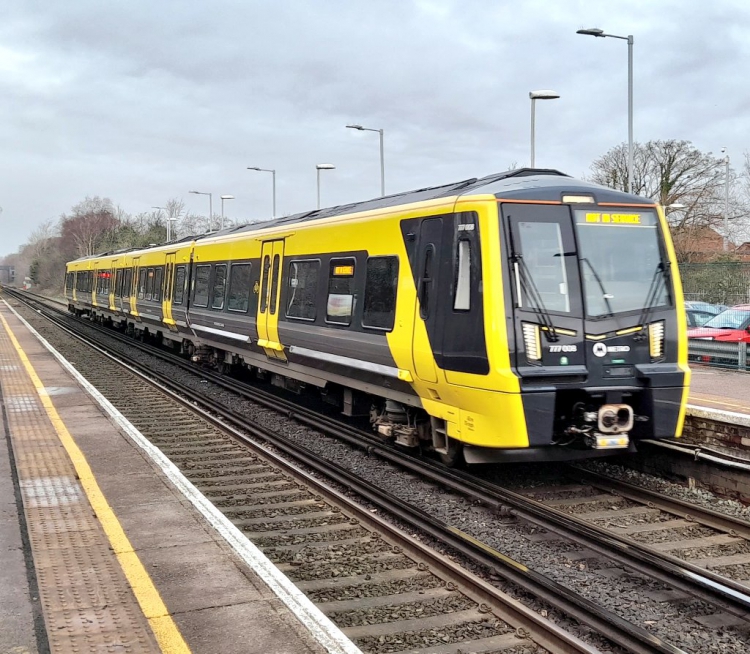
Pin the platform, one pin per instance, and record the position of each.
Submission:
(101, 551)
(724, 390)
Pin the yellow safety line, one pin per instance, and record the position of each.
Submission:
(167, 634)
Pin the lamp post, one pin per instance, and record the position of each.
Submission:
(382, 154)
(169, 224)
(595, 31)
(273, 176)
(320, 167)
(538, 95)
(224, 197)
(726, 200)
(210, 206)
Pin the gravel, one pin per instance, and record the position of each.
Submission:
(410, 585)
(696, 496)
(596, 579)
(666, 535)
(381, 614)
(432, 637)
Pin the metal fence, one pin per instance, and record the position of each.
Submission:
(722, 355)
(718, 283)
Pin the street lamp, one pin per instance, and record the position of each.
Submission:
(538, 95)
(169, 223)
(210, 206)
(595, 31)
(273, 175)
(726, 200)
(382, 158)
(224, 197)
(320, 167)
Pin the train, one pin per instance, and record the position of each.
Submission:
(522, 316)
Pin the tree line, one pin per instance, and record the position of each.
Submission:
(690, 184)
(97, 225)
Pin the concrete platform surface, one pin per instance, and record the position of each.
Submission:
(724, 390)
(99, 592)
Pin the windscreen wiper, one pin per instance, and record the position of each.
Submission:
(534, 297)
(605, 296)
(659, 278)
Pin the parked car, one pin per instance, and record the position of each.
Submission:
(730, 326)
(699, 313)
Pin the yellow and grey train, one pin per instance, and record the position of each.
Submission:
(524, 316)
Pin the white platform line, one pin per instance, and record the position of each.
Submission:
(323, 630)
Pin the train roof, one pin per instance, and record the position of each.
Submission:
(544, 184)
(523, 183)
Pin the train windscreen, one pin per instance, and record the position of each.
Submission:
(621, 261)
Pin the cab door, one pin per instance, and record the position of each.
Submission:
(271, 264)
(167, 294)
(547, 306)
(426, 340)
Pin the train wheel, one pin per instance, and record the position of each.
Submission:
(454, 455)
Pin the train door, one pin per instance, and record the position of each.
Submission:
(548, 312)
(126, 288)
(271, 262)
(166, 298)
(179, 294)
(425, 341)
(114, 275)
(133, 290)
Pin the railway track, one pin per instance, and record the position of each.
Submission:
(384, 588)
(726, 596)
(686, 534)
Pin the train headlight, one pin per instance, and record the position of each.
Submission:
(656, 340)
(532, 342)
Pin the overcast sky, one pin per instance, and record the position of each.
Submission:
(143, 101)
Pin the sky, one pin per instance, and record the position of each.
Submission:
(144, 101)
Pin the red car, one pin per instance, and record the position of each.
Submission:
(730, 326)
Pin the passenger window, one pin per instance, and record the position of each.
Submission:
(179, 285)
(158, 272)
(150, 284)
(275, 282)
(264, 284)
(462, 297)
(380, 292)
(303, 289)
(340, 303)
(202, 275)
(142, 284)
(239, 288)
(220, 284)
(128, 282)
(425, 282)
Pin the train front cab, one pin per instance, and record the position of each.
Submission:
(585, 332)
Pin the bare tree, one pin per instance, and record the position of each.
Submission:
(90, 225)
(688, 183)
(39, 243)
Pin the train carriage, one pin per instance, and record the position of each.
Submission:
(522, 316)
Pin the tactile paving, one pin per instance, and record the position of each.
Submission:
(87, 602)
